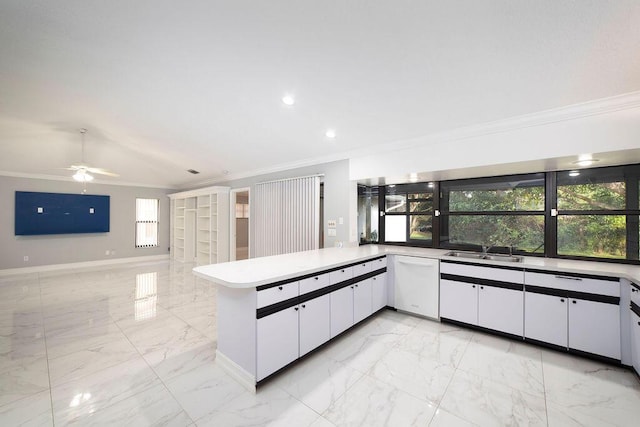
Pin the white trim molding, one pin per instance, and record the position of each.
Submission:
(234, 370)
(85, 264)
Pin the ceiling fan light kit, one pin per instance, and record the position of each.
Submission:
(82, 170)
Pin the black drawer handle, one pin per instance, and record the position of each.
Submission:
(316, 278)
(280, 287)
(473, 286)
(634, 290)
(356, 286)
(295, 308)
(303, 306)
(561, 299)
(574, 301)
(569, 278)
(481, 287)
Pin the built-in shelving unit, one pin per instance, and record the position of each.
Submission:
(200, 225)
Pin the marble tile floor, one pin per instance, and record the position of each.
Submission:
(135, 345)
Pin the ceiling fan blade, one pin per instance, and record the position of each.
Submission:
(101, 171)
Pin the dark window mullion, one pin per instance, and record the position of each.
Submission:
(550, 222)
(633, 220)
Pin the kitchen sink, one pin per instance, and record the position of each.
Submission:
(488, 257)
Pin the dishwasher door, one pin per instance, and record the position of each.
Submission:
(417, 285)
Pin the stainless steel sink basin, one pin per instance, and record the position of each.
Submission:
(488, 257)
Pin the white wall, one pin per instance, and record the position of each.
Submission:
(340, 196)
(547, 141)
(73, 248)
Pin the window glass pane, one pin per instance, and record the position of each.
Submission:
(524, 232)
(515, 193)
(395, 228)
(374, 218)
(516, 199)
(423, 196)
(422, 206)
(395, 203)
(599, 196)
(602, 236)
(420, 227)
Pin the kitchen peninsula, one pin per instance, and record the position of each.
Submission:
(273, 310)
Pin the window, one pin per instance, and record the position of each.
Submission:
(409, 214)
(592, 220)
(368, 214)
(242, 210)
(147, 223)
(500, 212)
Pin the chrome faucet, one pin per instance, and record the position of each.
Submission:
(486, 249)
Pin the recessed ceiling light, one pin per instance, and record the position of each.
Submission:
(330, 133)
(574, 173)
(288, 100)
(585, 162)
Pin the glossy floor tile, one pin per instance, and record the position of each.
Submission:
(135, 345)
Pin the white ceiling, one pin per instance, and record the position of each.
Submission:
(165, 86)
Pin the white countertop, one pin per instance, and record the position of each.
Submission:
(260, 271)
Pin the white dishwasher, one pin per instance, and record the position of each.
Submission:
(417, 287)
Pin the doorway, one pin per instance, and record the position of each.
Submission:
(239, 224)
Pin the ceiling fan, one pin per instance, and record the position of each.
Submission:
(82, 170)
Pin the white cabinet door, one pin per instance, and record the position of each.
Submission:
(635, 341)
(545, 318)
(362, 300)
(341, 310)
(459, 301)
(379, 292)
(501, 309)
(594, 327)
(315, 323)
(277, 341)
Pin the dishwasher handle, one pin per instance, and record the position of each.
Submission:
(404, 261)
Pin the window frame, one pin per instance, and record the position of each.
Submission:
(441, 215)
(147, 221)
(431, 187)
(445, 214)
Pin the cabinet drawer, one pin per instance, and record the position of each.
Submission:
(360, 269)
(635, 293)
(379, 263)
(573, 283)
(277, 293)
(340, 275)
(314, 283)
(491, 273)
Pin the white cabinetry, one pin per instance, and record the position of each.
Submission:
(459, 301)
(471, 294)
(545, 318)
(200, 225)
(635, 341)
(379, 292)
(341, 310)
(315, 323)
(635, 326)
(295, 317)
(362, 300)
(277, 341)
(594, 327)
(501, 309)
(580, 313)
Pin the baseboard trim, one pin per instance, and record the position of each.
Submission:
(85, 264)
(236, 372)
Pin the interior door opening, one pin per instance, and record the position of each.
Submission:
(240, 224)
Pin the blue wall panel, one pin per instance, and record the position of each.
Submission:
(58, 213)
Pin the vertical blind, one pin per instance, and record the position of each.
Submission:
(146, 223)
(286, 216)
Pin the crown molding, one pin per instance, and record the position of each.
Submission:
(95, 181)
(596, 107)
